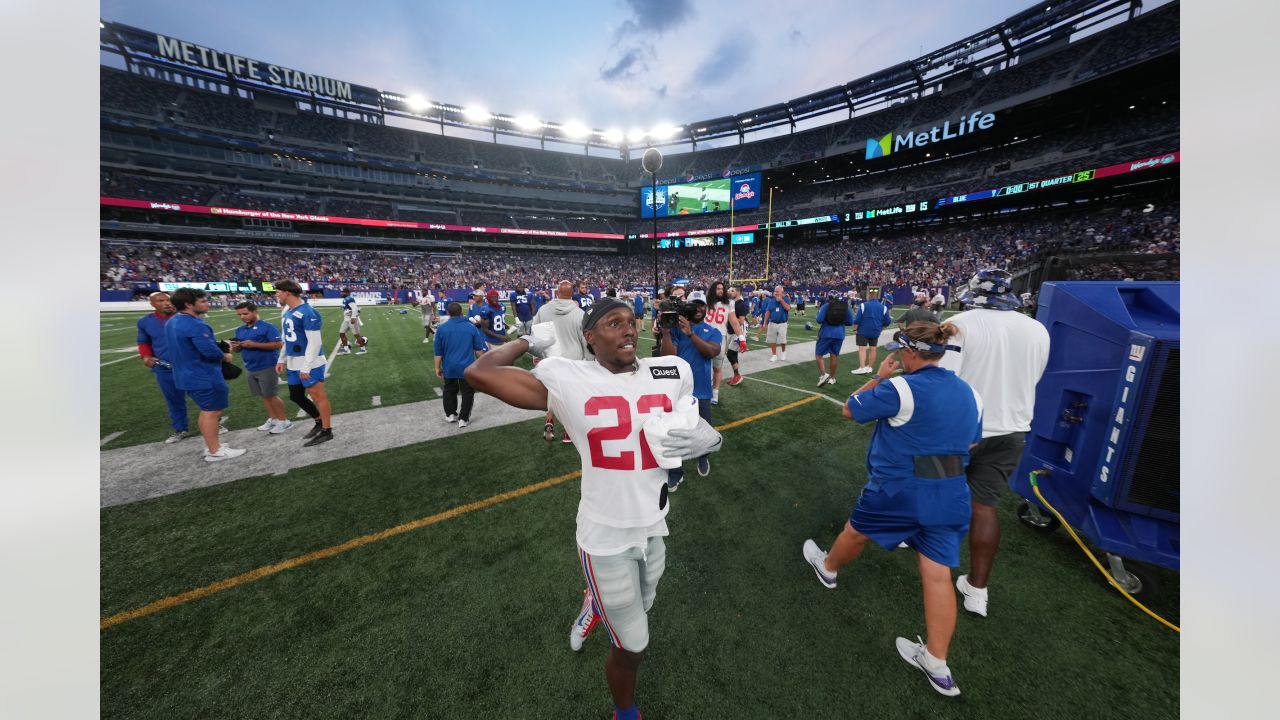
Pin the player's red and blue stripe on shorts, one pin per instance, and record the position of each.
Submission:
(589, 574)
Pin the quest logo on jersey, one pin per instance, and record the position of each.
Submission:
(665, 372)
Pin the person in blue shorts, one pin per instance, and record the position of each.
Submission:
(871, 319)
(917, 493)
(833, 317)
(303, 356)
(697, 342)
(197, 367)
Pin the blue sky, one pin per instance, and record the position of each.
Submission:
(605, 63)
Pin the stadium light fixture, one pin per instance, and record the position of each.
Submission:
(574, 129)
(662, 132)
(417, 103)
(475, 113)
(527, 122)
(613, 135)
(635, 135)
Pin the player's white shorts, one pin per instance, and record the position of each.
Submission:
(776, 333)
(428, 319)
(350, 325)
(624, 587)
(717, 362)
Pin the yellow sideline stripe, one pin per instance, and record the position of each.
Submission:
(264, 571)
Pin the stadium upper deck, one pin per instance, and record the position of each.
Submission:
(177, 132)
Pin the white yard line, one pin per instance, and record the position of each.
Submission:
(788, 387)
(110, 437)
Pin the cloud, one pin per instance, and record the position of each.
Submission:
(656, 15)
(725, 60)
(625, 67)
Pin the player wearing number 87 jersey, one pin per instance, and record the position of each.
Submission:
(621, 519)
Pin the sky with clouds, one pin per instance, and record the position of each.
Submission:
(605, 63)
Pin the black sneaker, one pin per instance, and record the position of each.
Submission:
(323, 436)
(315, 430)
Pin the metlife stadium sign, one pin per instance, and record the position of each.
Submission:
(890, 143)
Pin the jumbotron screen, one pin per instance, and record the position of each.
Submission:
(704, 196)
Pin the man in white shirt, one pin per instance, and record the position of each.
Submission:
(1002, 355)
(604, 402)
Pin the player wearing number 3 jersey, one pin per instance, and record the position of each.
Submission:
(604, 402)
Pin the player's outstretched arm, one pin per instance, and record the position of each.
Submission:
(492, 373)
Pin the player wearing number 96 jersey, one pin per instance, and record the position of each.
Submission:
(604, 402)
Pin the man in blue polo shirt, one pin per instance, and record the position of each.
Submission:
(258, 343)
(154, 351)
(697, 343)
(776, 310)
(916, 493)
(872, 318)
(833, 317)
(197, 367)
(458, 344)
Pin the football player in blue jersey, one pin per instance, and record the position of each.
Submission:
(493, 320)
(583, 297)
(303, 356)
(523, 302)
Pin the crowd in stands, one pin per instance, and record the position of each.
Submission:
(933, 257)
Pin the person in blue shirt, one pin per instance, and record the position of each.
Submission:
(197, 367)
(871, 319)
(927, 420)
(258, 343)
(458, 344)
(773, 325)
(522, 303)
(154, 351)
(637, 304)
(540, 298)
(697, 343)
(583, 297)
(833, 317)
(442, 303)
(492, 319)
(303, 357)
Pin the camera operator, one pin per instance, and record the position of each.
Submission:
(683, 333)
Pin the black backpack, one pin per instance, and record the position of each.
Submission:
(837, 311)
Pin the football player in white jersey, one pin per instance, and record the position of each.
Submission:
(604, 402)
(350, 322)
(721, 316)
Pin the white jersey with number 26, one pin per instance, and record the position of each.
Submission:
(622, 485)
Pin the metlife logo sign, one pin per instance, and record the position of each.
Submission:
(890, 143)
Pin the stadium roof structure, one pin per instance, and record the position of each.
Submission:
(1043, 28)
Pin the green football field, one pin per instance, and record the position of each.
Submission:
(439, 579)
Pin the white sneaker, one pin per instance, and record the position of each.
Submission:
(281, 426)
(816, 557)
(784, 356)
(451, 418)
(426, 340)
(268, 425)
(832, 381)
(773, 358)
(344, 351)
(914, 654)
(822, 379)
(222, 429)
(583, 625)
(362, 351)
(224, 453)
(861, 371)
(463, 423)
(177, 436)
(975, 599)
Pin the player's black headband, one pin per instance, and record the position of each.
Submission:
(599, 309)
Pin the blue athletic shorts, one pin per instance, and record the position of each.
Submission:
(316, 375)
(930, 516)
(828, 346)
(214, 398)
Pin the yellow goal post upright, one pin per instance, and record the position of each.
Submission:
(768, 233)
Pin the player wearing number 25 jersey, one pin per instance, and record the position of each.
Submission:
(604, 402)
